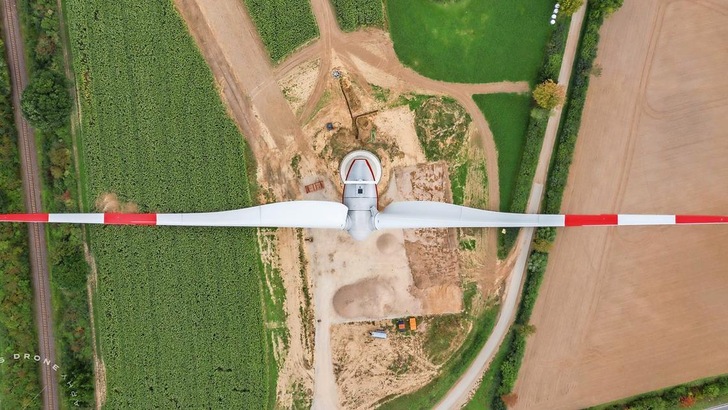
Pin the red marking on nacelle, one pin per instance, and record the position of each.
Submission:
(700, 219)
(589, 220)
(376, 187)
(130, 219)
(24, 217)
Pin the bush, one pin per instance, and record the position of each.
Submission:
(46, 102)
(569, 7)
(711, 391)
(51, 103)
(544, 239)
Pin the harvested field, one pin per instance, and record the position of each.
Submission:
(629, 310)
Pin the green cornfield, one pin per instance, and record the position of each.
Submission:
(352, 14)
(178, 310)
(283, 25)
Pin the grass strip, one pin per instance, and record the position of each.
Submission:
(533, 135)
(507, 116)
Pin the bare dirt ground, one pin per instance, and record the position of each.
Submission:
(298, 84)
(629, 310)
(366, 367)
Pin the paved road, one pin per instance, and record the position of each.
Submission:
(460, 392)
(719, 407)
(31, 188)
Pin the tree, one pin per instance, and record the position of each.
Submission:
(569, 7)
(549, 95)
(60, 159)
(46, 102)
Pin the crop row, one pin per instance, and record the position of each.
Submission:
(352, 14)
(283, 25)
(179, 309)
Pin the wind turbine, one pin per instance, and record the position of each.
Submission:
(359, 215)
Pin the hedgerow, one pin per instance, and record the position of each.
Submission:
(566, 141)
(353, 14)
(701, 391)
(283, 25)
(66, 261)
(178, 310)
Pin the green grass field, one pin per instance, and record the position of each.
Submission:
(507, 116)
(353, 14)
(283, 25)
(471, 40)
(178, 309)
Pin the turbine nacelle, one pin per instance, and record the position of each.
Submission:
(360, 173)
(359, 215)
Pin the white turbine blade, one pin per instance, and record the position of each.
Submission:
(425, 214)
(294, 214)
(440, 215)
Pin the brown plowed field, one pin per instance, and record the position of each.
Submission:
(628, 310)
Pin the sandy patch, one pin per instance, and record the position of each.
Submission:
(299, 83)
(108, 202)
(399, 123)
(369, 369)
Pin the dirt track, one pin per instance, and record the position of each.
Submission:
(628, 310)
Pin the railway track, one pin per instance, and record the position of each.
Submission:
(32, 190)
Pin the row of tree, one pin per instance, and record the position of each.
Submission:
(682, 396)
(47, 104)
